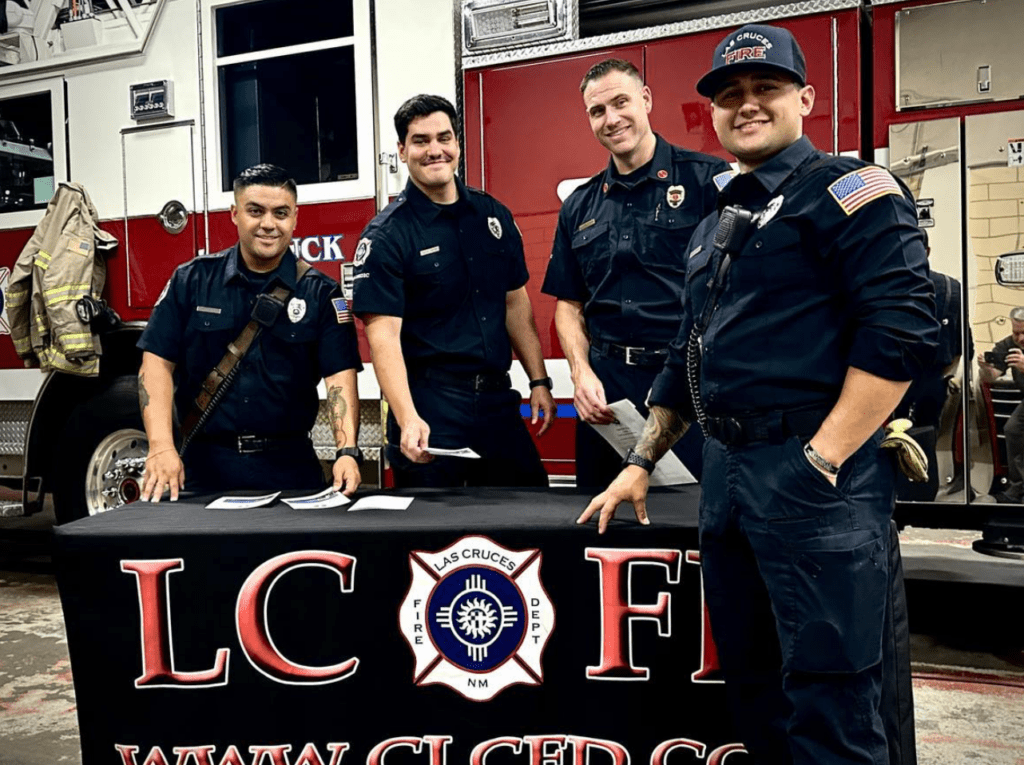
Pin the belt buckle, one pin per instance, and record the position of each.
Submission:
(728, 430)
(250, 444)
(629, 355)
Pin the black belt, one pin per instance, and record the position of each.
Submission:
(251, 443)
(480, 383)
(773, 427)
(634, 356)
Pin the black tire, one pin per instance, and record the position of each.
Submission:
(114, 410)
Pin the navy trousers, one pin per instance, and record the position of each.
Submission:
(212, 468)
(489, 422)
(799, 586)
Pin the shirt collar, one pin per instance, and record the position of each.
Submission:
(285, 272)
(427, 210)
(773, 173)
(661, 163)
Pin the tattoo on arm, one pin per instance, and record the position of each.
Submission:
(663, 428)
(143, 393)
(338, 409)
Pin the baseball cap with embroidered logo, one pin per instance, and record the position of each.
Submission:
(754, 46)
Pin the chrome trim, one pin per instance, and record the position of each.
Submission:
(483, 167)
(802, 8)
(835, 86)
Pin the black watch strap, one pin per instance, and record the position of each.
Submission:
(545, 381)
(350, 451)
(632, 458)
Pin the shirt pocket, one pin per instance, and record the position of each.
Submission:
(774, 262)
(665, 240)
(207, 338)
(592, 250)
(436, 283)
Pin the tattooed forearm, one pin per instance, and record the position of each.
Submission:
(663, 428)
(143, 393)
(338, 409)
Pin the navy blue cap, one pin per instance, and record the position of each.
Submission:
(754, 46)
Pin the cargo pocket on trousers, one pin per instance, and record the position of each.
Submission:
(838, 599)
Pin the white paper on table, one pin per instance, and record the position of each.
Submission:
(242, 503)
(624, 432)
(325, 499)
(381, 502)
(463, 452)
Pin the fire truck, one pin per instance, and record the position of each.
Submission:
(155, 105)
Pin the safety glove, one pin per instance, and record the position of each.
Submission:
(910, 457)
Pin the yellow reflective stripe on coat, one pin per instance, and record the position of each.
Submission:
(66, 287)
(15, 297)
(56, 359)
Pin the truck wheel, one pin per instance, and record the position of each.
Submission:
(102, 453)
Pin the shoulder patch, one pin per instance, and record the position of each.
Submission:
(854, 190)
(341, 310)
(722, 179)
(362, 252)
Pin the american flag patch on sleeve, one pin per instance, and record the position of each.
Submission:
(342, 310)
(722, 179)
(856, 189)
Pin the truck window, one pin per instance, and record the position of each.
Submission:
(26, 152)
(287, 88)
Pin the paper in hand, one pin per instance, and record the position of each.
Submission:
(623, 433)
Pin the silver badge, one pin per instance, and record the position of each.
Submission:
(769, 212)
(362, 252)
(675, 196)
(495, 227)
(296, 310)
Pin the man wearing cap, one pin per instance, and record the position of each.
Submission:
(618, 255)
(803, 329)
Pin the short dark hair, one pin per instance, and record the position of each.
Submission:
(599, 70)
(421, 106)
(265, 175)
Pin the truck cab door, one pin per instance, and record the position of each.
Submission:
(159, 206)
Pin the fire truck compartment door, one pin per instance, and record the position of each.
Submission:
(956, 53)
(158, 169)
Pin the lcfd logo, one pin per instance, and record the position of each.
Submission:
(477, 617)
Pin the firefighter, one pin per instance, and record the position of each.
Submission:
(805, 321)
(618, 258)
(440, 283)
(258, 435)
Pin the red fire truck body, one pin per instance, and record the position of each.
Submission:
(526, 140)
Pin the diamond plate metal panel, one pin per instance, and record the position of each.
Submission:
(572, 31)
(721, 21)
(14, 419)
(371, 431)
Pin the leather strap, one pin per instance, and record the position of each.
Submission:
(207, 399)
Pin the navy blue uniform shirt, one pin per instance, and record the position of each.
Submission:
(833, 274)
(620, 245)
(204, 307)
(445, 270)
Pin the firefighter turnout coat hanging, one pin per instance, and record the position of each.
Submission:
(64, 261)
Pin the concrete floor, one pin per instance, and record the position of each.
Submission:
(967, 648)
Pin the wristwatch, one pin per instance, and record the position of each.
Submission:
(545, 381)
(632, 458)
(350, 451)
